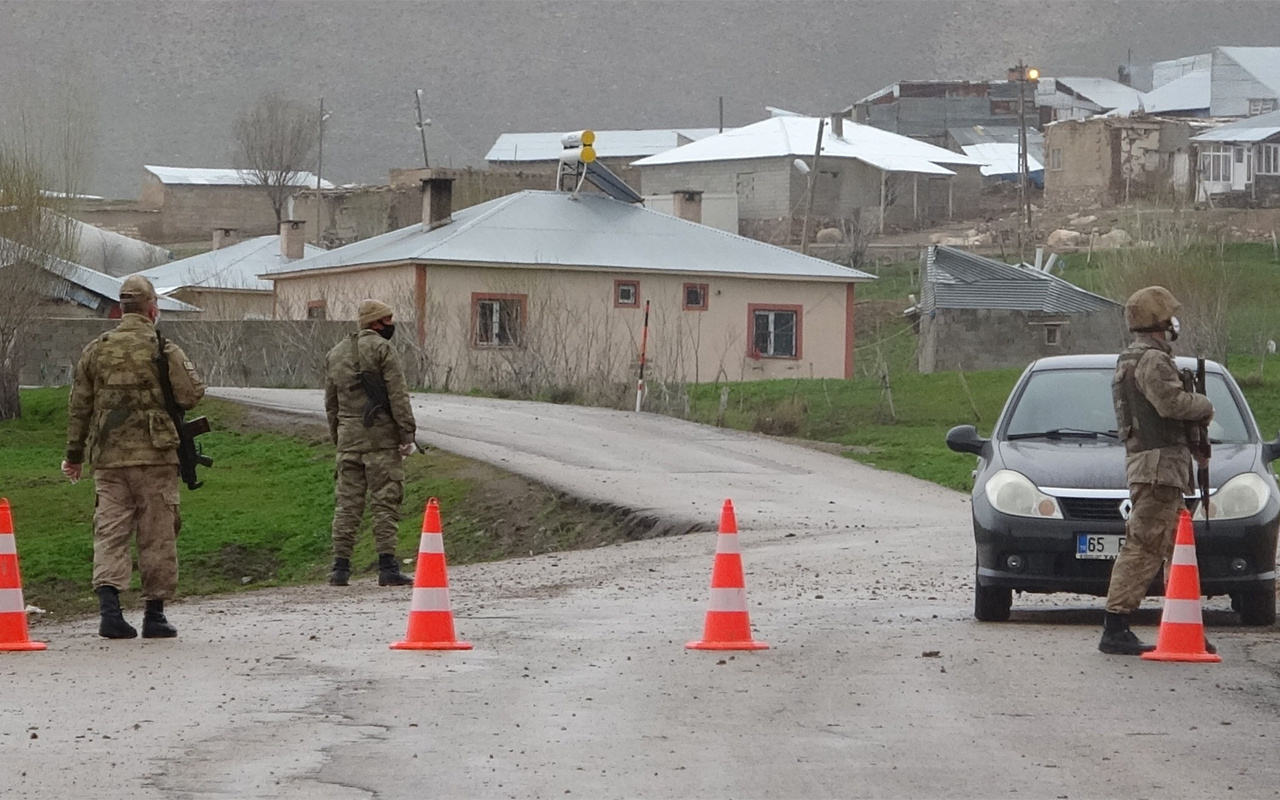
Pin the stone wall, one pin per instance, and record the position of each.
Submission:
(977, 339)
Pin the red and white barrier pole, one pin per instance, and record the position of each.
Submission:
(644, 344)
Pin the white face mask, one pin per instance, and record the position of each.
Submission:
(1175, 327)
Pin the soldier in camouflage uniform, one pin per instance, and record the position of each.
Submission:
(372, 442)
(118, 422)
(1152, 413)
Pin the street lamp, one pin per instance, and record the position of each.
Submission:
(422, 128)
(1023, 75)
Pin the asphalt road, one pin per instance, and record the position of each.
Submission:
(879, 683)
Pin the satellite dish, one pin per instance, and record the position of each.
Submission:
(800, 166)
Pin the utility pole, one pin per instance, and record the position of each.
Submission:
(422, 128)
(1022, 74)
(319, 172)
(813, 182)
(722, 113)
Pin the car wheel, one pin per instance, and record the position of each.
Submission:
(1257, 607)
(991, 603)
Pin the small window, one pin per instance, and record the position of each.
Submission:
(695, 297)
(499, 320)
(1053, 335)
(1055, 158)
(1261, 105)
(316, 309)
(626, 294)
(775, 332)
(1269, 159)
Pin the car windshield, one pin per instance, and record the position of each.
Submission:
(1076, 403)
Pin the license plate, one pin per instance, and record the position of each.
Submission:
(1093, 545)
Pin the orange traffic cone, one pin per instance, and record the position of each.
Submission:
(1181, 625)
(430, 617)
(728, 627)
(13, 610)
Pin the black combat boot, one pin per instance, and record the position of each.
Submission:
(1118, 640)
(341, 574)
(389, 573)
(154, 624)
(112, 625)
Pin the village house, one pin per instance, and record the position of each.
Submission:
(1081, 98)
(1240, 163)
(865, 177)
(976, 313)
(224, 282)
(997, 148)
(547, 288)
(615, 149)
(927, 110)
(1244, 81)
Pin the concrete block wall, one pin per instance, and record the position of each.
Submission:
(977, 339)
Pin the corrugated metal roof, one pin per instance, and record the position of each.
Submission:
(609, 144)
(784, 137)
(1262, 63)
(957, 279)
(981, 134)
(999, 158)
(97, 283)
(202, 176)
(234, 267)
(1250, 129)
(107, 251)
(593, 232)
(1187, 93)
(1111, 95)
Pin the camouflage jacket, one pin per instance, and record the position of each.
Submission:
(117, 415)
(344, 397)
(1147, 366)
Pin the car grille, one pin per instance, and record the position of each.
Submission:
(1092, 508)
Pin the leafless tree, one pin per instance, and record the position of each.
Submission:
(275, 143)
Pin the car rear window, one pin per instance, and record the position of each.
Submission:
(1080, 399)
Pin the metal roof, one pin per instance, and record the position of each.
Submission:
(1111, 95)
(236, 266)
(609, 144)
(982, 134)
(999, 158)
(591, 232)
(788, 137)
(202, 176)
(960, 280)
(1187, 93)
(1250, 129)
(110, 252)
(1262, 63)
(92, 281)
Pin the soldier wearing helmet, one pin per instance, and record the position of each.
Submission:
(1152, 412)
(118, 422)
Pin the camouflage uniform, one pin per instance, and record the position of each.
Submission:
(369, 459)
(1152, 411)
(117, 419)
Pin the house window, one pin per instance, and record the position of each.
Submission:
(626, 294)
(499, 319)
(695, 297)
(1269, 159)
(1053, 335)
(745, 185)
(775, 331)
(1055, 158)
(1215, 163)
(316, 309)
(1261, 105)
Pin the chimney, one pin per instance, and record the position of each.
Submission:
(437, 202)
(837, 126)
(293, 239)
(1125, 76)
(223, 237)
(688, 205)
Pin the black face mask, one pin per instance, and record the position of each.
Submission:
(387, 331)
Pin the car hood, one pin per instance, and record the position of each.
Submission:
(1099, 464)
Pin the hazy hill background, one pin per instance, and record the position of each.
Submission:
(160, 82)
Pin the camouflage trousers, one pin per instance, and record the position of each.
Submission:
(1148, 544)
(380, 475)
(142, 499)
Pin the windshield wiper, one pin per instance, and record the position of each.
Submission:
(1062, 433)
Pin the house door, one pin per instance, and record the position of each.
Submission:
(1241, 168)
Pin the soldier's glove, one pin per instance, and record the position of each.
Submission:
(407, 450)
(72, 471)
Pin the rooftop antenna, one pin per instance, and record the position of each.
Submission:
(422, 127)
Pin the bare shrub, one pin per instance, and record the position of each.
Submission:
(275, 142)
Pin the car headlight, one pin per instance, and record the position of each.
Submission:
(1243, 496)
(1013, 493)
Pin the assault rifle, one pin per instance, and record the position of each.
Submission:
(1198, 438)
(375, 389)
(189, 455)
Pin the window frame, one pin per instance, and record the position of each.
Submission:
(798, 338)
(684, 299)
(1220, 157)
(1055, 159)
(1053, 334)
(1268, 162)
(517, 341)
(317, 305)
(1262, 105)
(617, 285)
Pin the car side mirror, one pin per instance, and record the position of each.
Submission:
(965, 439)
(1271, 450)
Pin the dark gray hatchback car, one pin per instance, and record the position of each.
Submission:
(1050, 499)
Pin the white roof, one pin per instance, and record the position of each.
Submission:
(786, 137)
(202, 176)
(1262, 63)
(1249, 129)
(1187, 93)
(591, 232)
(101, 284)
(233, 267)
(609, 144)
(999, 158)
(114, 253)
(1111, 95)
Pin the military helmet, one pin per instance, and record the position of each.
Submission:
(1150, 309)
(137, 289)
